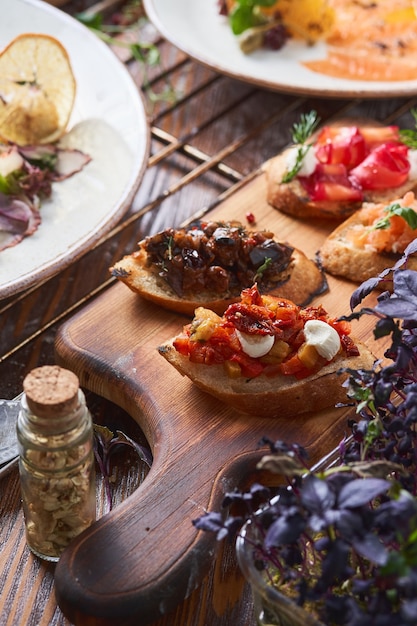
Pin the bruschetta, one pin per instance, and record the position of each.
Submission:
(330, 173)
(268, 357)
(371, 240)
(209, 263)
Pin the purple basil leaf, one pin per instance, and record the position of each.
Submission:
(326, 518)
(397, 307)
(384, 327)
(335, 561)
(405, 284)
(143, 453)
(316, 495)
(349, 523)
(409, 611)
(212, 522)
(361, 491)
(411, 248)
(362, 291)
(284, 530)
(371, 548)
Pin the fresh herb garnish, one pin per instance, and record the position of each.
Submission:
(145, 52)
(245, 14)
(301, 132)
(262, 268)
(409, 136)
(407, 213)
(170, 246)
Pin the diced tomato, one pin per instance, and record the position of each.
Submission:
(294, 367)
(334, 192)
(250, 318)
(331, 182)
(349, 346)
(251, 296)
(386, 166)
(200, 352)
(376, 135)
(250, 367)
(344, 144)
(181, 344)
(341, 326)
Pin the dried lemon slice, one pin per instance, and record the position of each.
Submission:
(37, 90)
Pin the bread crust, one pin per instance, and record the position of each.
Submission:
(339, 257)
(301, 281)
(278, 396)
(292, 199)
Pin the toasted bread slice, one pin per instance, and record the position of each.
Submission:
(292, 198)
(277, 396)
(299, 281)
(340, 254)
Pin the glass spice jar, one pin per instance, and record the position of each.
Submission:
(56, 465)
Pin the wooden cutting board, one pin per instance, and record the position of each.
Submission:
(145, 557)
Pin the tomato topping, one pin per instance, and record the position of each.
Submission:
(331, 182)
(251, 296)
(386, 166)
(294, 367)
(376, 135)
(250, 318)
(250, 367)
(353, 159)
(344, 145)
(181, 344)
(277, 316)
(349, 346)
(341, 326)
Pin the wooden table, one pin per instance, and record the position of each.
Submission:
(204, 148)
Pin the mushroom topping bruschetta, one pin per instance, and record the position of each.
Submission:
(371, 239)
(209, 263)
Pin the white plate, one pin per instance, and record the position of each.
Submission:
(195, 27)
(108, 122)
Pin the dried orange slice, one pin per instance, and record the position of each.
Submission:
(37, 90)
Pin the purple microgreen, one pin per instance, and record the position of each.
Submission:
(343, 535)
(106, 444)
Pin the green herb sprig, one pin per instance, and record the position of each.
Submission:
(262, 268)
(409, 136)
(245, 14)
(106, 443)
(407, 213)
(301, 132)
(146, 53)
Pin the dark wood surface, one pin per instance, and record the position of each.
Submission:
(199, 445)
(204, 149)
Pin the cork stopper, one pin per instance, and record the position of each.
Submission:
(51, 391)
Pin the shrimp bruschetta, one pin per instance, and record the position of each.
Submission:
(372, 239)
